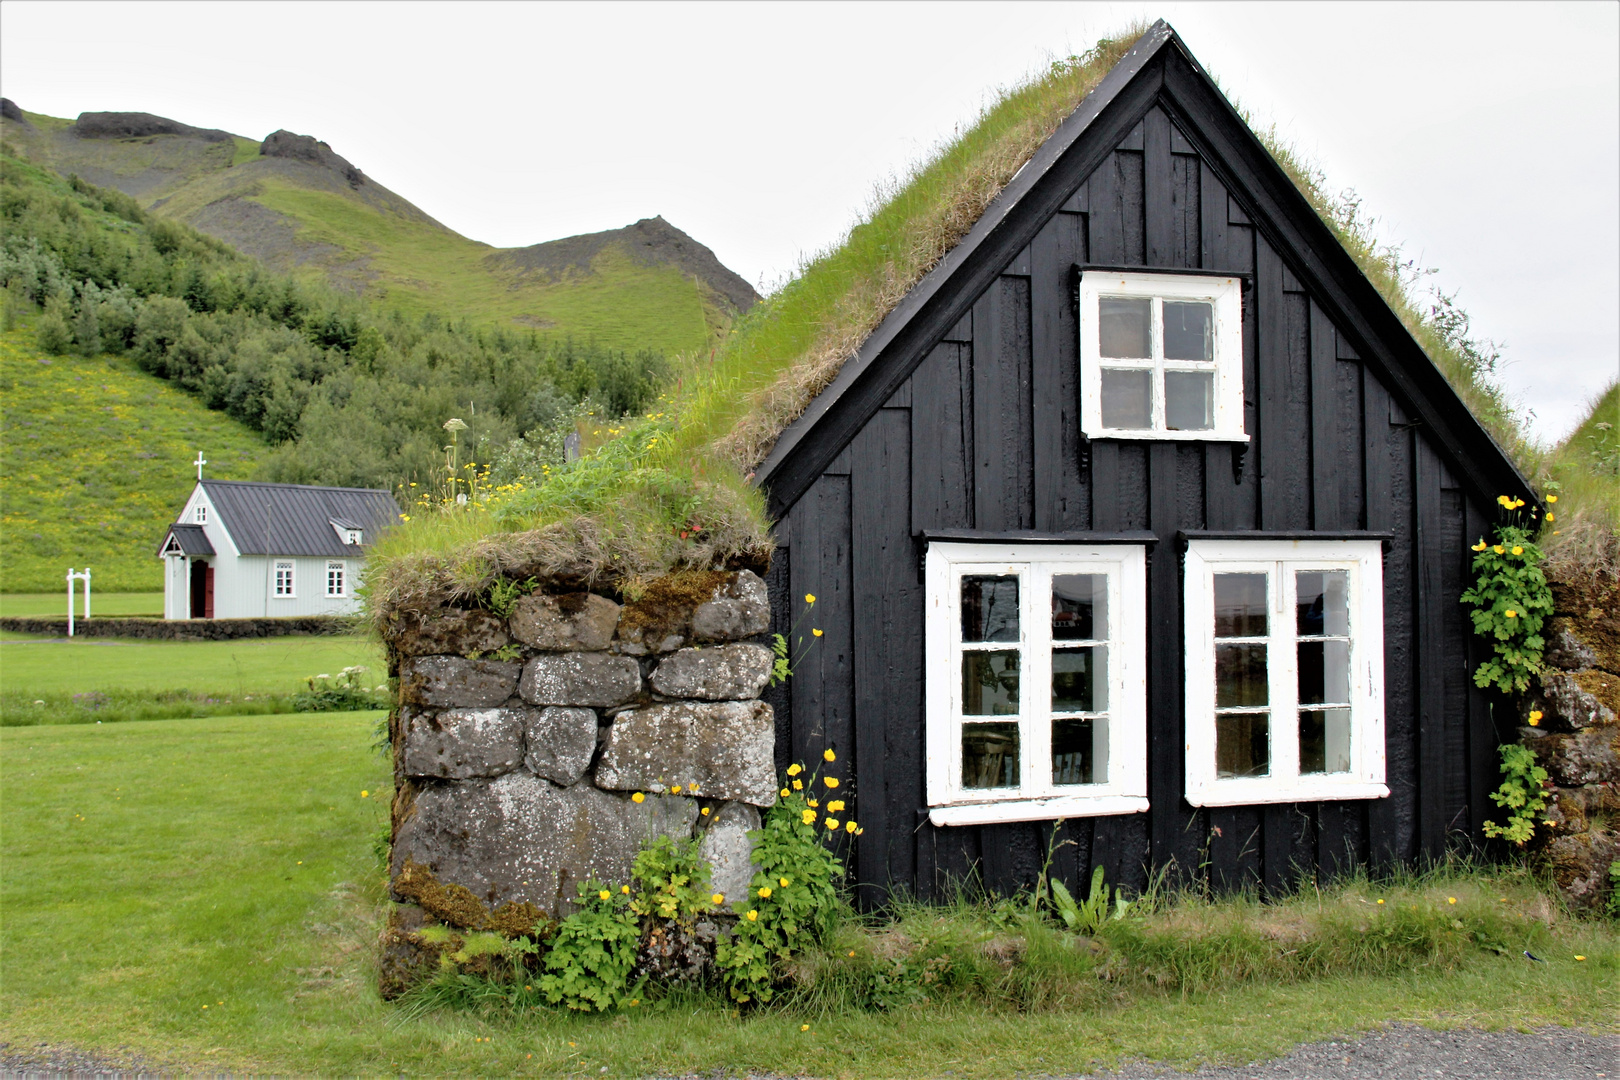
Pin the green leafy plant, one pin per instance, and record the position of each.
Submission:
(1522, 794)
(1088, 917)
(594, 953)
(784, 662)
(504, 593)
(792, 901)
(1511, 599)
(672, 880)
(343, 694)
(1612, 908)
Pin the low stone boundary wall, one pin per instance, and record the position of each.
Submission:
(183, 629)
(541, 750)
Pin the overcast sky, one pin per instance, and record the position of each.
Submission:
(1484, 137)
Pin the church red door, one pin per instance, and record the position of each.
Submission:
(202, 590)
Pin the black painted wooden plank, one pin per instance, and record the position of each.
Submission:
(1351, 445)
(823, 690)
(1451, 616)
(1334, 859)
(839, 465)
(1400, 614)
(1072, 506)
(925, 842)
(1019, 264)
(1290, 283)
(1132, 496)
(962, 330)
(1157, 201)
(1166, 704)
(1002, 405)
(1284, 396)
(1079, 202)
(1185, 202)
(1482, 735)
(1235, 214)
(901, 398)
(1430, 651)
(1327, 466)
(1347, 351)
(1133, 205)
(942, 440)
(1383, 843)
(779, 591)
(1133, 139)
(887, 650)
(1277, 837)
(1048, 327)
(1105, 515)
(1179, 143)
(1105, 222)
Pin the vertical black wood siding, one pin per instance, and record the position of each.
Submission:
(985, 435)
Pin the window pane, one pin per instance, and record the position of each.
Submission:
(1324, 672)
(1123, 327)
(1240, 676)
(1324, 740)
(990, 609)
(1189, 400)
(1080, 679)
(1240, 605)
(1080, 607)
(1189, 330)
(1127, 399)
(1080, 751)
(1322, 602)
(989, 755)
(1242, 744)
(990, 683)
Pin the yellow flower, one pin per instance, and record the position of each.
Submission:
(704, 811)
(1535, 717)
(804, 1027)
(765, 893)
(1578, 956)
(784, 882)
(365, 794)
(784, 793)
(1549, 515)
(836, 805)
(675, 789)
(809, 598)
(798, 785)
(638, 797)
(1479, 546)
(849, 826)
(1499, 549)
(812, 803)
(832, 824)
(816, 632)
(1553, 499)
(604, 895)
(1517, 550)
(717, 898)
(828, 755)
(1503, 500)
(692, 787)
(625, 889)
(1451, 899)
(830, 781)
(795, 769)
(807, 816)
(1510, 613)
(1380, 901)
(753, 916)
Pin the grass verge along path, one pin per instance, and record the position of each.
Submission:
(23, 605)
(154, 868)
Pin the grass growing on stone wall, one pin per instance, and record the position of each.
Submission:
(1585, 467)
(156, 868)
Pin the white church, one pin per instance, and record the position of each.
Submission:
(246, 550)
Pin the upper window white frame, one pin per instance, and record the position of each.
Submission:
(200, 513)
(1123, 730)
(283, 582)
(337, 576)
(1224, 294)
(1361, 695)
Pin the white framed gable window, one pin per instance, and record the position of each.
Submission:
(1285, 659)
(1036, 694)
(200, 514)
(282, 585)
(1161, 356)
(336, 579)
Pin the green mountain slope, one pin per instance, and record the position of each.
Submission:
(299, 207)
(96, 457)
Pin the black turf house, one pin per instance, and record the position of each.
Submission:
(1143, 511)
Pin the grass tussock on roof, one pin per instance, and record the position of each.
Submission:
(671, 490)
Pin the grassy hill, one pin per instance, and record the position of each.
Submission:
(300, 208)
(96, 458)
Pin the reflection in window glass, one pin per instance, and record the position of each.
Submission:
(1324, 672)
(1079, 751)
(989, 755)
(1079, 607)
(1242, 744)
(1240, 605)
(1324, 740)
(990, 683)
(1322, 602)
(1240, 676)
(1127, 399)
(1125, 327)
(1080, 679)
(990, 608)
(1189, 330)
(1189, 400)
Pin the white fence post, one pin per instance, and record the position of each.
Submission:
(70, 600)
(84, 577)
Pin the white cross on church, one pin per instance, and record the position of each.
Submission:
(200, 462)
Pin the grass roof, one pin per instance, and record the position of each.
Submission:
(671, 490)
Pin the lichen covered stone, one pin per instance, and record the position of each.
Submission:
(463, 743)
(447, 631)
(724, 747)
(1591, 756)
(571, 622)
(715, 673)
(559, 742)
(740, 609)
(449, 681)
(591, 679)
(728, 851)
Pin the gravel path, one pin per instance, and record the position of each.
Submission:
(1398, 1052)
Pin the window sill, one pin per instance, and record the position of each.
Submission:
(1252, 793)
(1045, 809)
(1115, 435)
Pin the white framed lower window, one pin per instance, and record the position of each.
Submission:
(336, 579)
(1285, 665)
(282, 586)
(1036, 699)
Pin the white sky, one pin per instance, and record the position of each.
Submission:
(1485, 137)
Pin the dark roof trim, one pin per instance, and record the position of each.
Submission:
(1026, 536)
(928, 310)
(190, 539)
(1384, 537)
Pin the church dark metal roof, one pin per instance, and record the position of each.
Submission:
(296, 519)
(190, 539)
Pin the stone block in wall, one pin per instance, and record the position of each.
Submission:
(740, 609)
(1565, 649)
(725, 747)
(660, 619)
(449, 681)
(459, 744)
(403, 963)
(728, 851)
(519, 839)
(593, 679)
(714, 673)
(571, 622)
(1591, 756)
(448, 631)
(560, 742)
(1580, 865)
(1568, 705)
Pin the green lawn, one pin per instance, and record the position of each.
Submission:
(154, 868)
(255, 666)
(110, 603)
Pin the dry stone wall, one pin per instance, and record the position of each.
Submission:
(541, 750)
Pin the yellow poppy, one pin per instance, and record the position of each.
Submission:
(807, 816)
(828, 755)
(765, 892)
(1499, 549)
(1479, 546)
(830, 781)
(604, 895)
(753, 916)
(809, 598)
(836, 805)
(849, 826)
(1552, 498)
(798, 785)
(795, 769)
(1510, 613)
(1517, 550)
(717, 898)
(638, 797)
(832, 824)
(817, 633)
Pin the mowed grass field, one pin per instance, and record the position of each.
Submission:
(54, 604)
(206, 894)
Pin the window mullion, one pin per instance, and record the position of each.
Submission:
(1285, 682)
(1035, 698)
